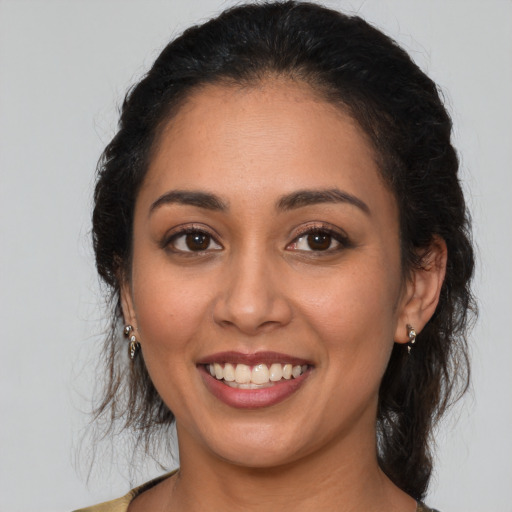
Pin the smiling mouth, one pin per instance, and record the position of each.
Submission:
(258, 376)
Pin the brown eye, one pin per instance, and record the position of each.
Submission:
(193, 241)
(197, 241)
(319, 241)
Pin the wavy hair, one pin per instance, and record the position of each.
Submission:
(352, 65)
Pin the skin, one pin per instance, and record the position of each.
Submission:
(259, 286)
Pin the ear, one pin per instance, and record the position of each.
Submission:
(421, 292)
(127, 306)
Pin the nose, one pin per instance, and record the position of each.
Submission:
(252, 298)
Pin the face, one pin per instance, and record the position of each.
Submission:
(265, 243)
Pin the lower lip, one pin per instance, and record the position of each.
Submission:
(252, 398)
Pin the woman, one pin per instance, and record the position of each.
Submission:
(281, 224)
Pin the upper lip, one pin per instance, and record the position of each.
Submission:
(264, 357)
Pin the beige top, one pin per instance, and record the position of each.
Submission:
(121, 504)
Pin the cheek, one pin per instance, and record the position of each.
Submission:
(170, 315)
(169, 309)
(355, 314)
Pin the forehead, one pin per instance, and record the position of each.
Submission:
(275, 136)
(259, 112)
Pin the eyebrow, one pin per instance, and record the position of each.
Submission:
(292, 201)
(191, 198)
(303, 198)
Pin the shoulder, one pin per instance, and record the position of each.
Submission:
(122, 504)
(423, 508)
(119, 505)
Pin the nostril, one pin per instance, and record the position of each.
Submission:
(249, 327)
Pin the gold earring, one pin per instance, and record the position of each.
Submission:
(411, 332)
(134, 345)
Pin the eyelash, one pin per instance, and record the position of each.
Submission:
(340, 238)
(168, 241)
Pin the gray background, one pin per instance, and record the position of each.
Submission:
(64, 67)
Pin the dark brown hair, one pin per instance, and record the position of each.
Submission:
(357, 67)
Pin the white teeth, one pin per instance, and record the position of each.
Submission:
(296, 371)
(244, 377)
(242, 374)
(229, 372)
(250, 385)
(276, 372)
(259, 374)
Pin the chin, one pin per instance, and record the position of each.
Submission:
(258, 446)
(257, 457)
